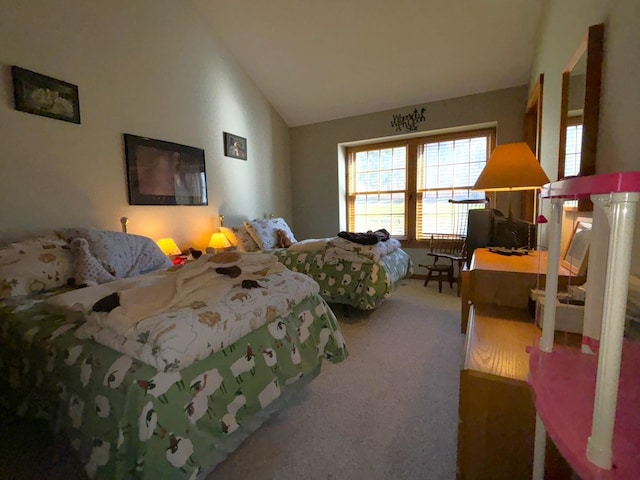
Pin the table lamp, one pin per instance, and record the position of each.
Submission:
(512, 167)
(169, 247)
(218, 243)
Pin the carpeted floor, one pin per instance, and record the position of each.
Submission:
(388, 412)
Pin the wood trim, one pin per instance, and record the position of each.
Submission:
(564, 107)
(409, 240)
(592, 100)
(533, 138)
(593, 45)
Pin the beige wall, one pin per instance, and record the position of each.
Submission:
(317, 161)
(564, 24)
(316, 168)
(149, 68)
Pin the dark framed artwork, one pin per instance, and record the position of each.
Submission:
(164, 173)
(46, 96)
(235, 146)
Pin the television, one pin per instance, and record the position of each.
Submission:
(488, 227)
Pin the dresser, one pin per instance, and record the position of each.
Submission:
(496, 411)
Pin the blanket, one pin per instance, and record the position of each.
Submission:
(343, 250)
(310, 244)
(207, 280)
(204, 317)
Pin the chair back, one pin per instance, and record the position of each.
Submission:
(454, 243)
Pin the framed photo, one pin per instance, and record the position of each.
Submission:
(235, 146)
(164, 173)
(577, 255)
(46, 96)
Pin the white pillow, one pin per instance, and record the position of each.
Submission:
(33, 265)
(240, 238)
(264, 232)
(103, 255)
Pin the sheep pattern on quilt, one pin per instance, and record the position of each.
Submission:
(129, 420)
(359, 284)
(174, 339)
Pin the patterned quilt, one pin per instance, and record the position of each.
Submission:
(359, 284)
(129, 420)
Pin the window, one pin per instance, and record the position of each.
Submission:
(406, 186)
(573, 151)
(377, 186)
(573, 147)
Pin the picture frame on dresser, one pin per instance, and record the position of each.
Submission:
(164, 173)
(46, 96)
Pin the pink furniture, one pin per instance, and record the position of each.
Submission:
(588, 400)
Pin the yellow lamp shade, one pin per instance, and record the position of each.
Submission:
(512, 166)
(168, 246)
(219, 241)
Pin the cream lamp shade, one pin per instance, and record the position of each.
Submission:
(168, 246)
(218, 242)
(512, 166)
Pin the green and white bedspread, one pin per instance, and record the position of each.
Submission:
(129, 420)
(363, 285)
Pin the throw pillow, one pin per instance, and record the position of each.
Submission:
(240, 238)
(33, 265)
(264, 231)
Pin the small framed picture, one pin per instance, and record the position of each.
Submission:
(164, 173)
(46, 96)
(235, 146)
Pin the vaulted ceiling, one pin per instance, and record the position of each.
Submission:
(319, 60)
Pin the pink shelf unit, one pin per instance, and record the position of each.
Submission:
(588, 400)
(564, 385)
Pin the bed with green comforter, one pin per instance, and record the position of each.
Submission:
(362, 285)
(130, 420)
(177, 392)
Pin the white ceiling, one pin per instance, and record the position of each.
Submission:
(318, 60)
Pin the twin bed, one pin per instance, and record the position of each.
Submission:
(155, 372)
(171, 394)
(360, 275)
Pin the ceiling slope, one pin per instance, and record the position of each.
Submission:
(327, 59)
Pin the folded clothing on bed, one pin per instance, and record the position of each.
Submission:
(366, 238)
(342, 250)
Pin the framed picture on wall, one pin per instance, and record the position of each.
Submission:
(235, 146)
(46, 96)
(164, 173)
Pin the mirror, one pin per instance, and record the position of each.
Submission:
(580, 104)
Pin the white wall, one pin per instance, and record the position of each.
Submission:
(150, 68)
(564, 24)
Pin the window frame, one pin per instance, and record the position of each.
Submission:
(413, 147)
(572, 121)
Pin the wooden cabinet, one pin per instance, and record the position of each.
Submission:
(497, 417)
(496, 412)
(505, 280)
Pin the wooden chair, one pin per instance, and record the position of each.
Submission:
(448, 250)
